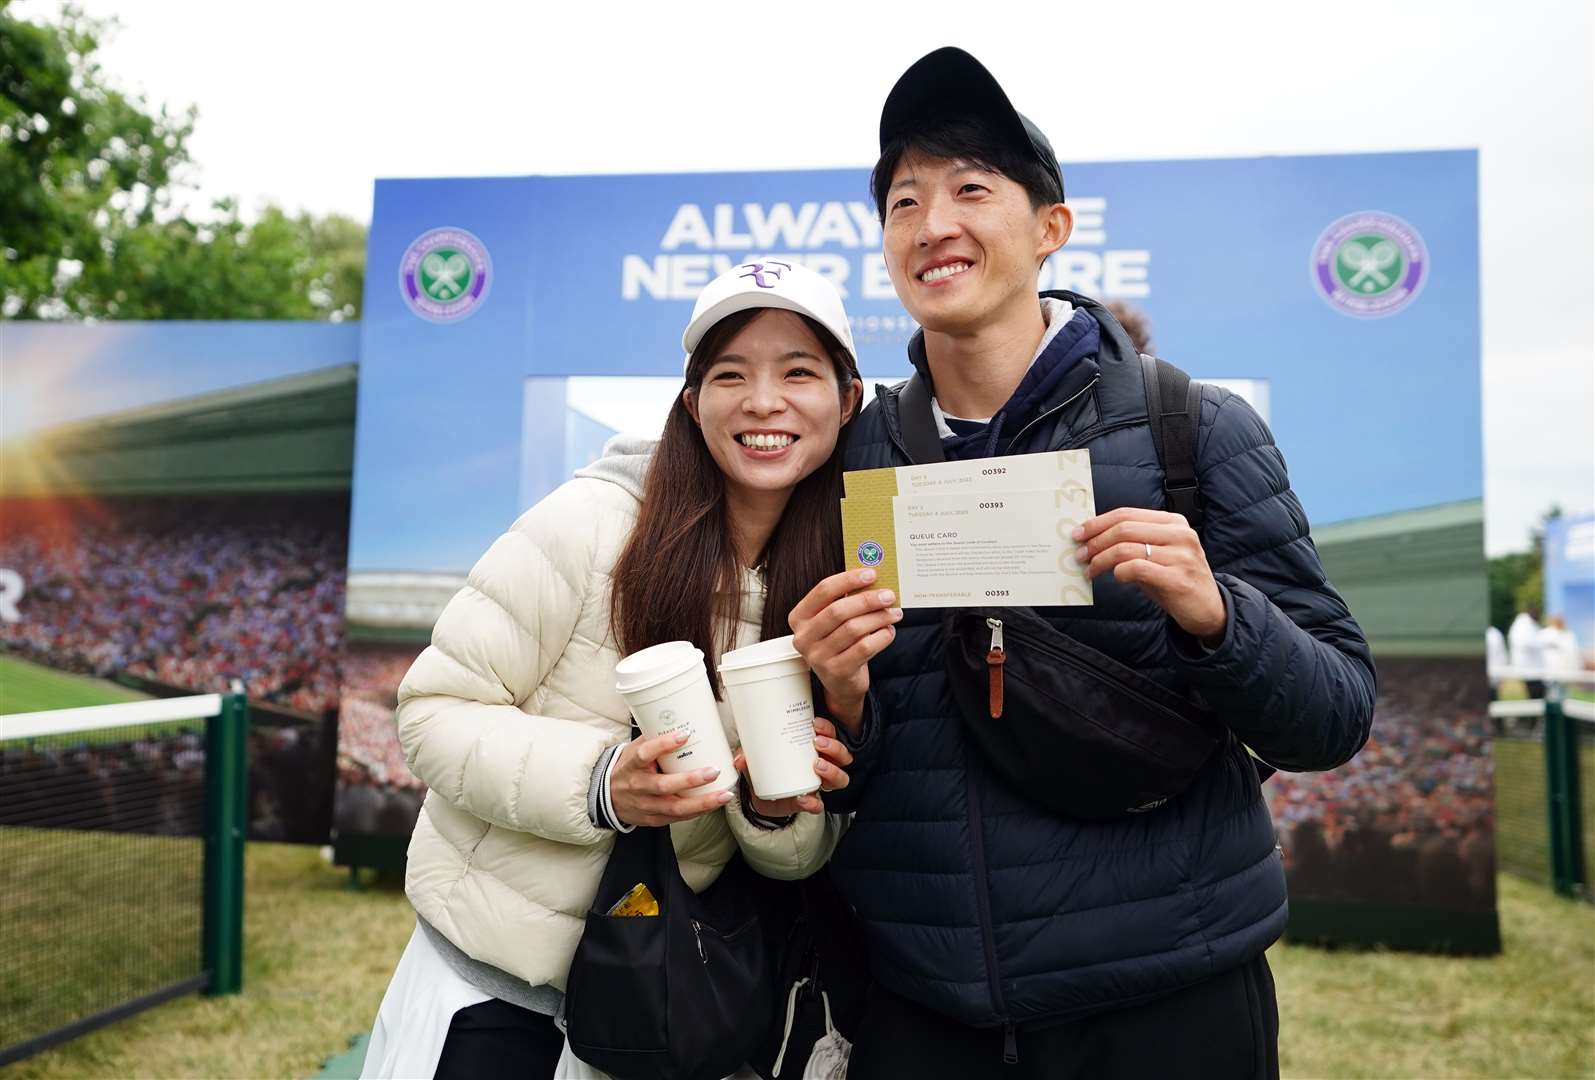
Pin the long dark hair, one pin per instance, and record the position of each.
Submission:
(679, 573)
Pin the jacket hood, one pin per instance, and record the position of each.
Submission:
(623, 463)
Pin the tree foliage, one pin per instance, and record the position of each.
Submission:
(1517, 581)
(88, 219)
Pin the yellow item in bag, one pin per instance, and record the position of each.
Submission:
(639, 901)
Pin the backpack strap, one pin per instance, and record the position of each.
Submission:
(918, 424)
(1174, 409)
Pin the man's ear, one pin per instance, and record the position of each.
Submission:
(691, 403)
(1057, 222)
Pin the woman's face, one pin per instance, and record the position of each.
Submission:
(769, 404)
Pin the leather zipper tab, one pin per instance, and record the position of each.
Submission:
(994, 661)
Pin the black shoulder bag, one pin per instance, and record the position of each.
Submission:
(683, 995)
(1065, 724)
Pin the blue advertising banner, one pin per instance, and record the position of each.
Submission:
(1348, 284)
(512, 324)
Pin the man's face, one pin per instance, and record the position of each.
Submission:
(963, 245)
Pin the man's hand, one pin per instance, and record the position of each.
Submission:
(831, 766)
(838, 627)
(642, 795)
(1162, 555)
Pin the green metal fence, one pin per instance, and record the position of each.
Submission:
(121, 862)
(1545, 789)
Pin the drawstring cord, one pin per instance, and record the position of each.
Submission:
(791, 1006)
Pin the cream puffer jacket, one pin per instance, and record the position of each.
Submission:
(504, 716)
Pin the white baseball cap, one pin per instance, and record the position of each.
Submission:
(769, 283)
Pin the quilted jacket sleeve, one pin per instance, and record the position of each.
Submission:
(1293, 676)
(460, 722)
(790, 853)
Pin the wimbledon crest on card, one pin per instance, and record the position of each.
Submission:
(871, 553)
(1370, 264)
(445, 274)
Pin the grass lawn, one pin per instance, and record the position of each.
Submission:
(29, 687)
(1529, 1012)
(318, 958)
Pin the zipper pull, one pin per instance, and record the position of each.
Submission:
(1010, 1045)
(699, 937)
(994, 661)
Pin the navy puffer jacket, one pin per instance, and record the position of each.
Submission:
(992, 911)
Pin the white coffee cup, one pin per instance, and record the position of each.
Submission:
(768, 687)
(667, 689)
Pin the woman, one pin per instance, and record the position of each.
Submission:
(511, 717)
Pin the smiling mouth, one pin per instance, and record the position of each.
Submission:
(763, 441)
(941, 273)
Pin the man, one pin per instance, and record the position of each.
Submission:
(1528, 657)
(1000, 932)
(1559, 648)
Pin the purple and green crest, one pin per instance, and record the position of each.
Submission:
(445, 274)
(1370, 264)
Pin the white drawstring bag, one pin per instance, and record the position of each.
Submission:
(828, 1059)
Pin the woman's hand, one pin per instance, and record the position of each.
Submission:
(831, 766)
(642, 795)
(838, 627)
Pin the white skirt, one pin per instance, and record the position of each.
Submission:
(413, 1021)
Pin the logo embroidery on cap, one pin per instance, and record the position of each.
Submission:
(757, 270)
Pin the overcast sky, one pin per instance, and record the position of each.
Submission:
(305, 103)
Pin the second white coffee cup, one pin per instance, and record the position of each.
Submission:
(768, 687)
(667, 689)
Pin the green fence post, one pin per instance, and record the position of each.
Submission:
(1561, 796)
(226, 816)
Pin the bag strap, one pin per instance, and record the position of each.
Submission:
(1174, 409)
(918, 423)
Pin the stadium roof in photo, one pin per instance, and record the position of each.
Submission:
(397, 605)
(1415, 580)
(291, 434)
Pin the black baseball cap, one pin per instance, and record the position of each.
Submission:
(950, 84)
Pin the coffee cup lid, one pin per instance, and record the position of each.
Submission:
(765, 652)
(653, 665)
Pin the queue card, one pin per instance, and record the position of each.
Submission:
(988, 532)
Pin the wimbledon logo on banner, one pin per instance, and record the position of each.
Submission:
(842, 241)
(445, 274)
(1370, 264)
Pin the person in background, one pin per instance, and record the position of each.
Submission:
(1495, 659)
(1135, 324)
(1523, 641)
(1559, 648)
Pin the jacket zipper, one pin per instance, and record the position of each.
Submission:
(1061, 405)
(995, 657)
(1010, 1040)
(1010, 1044)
